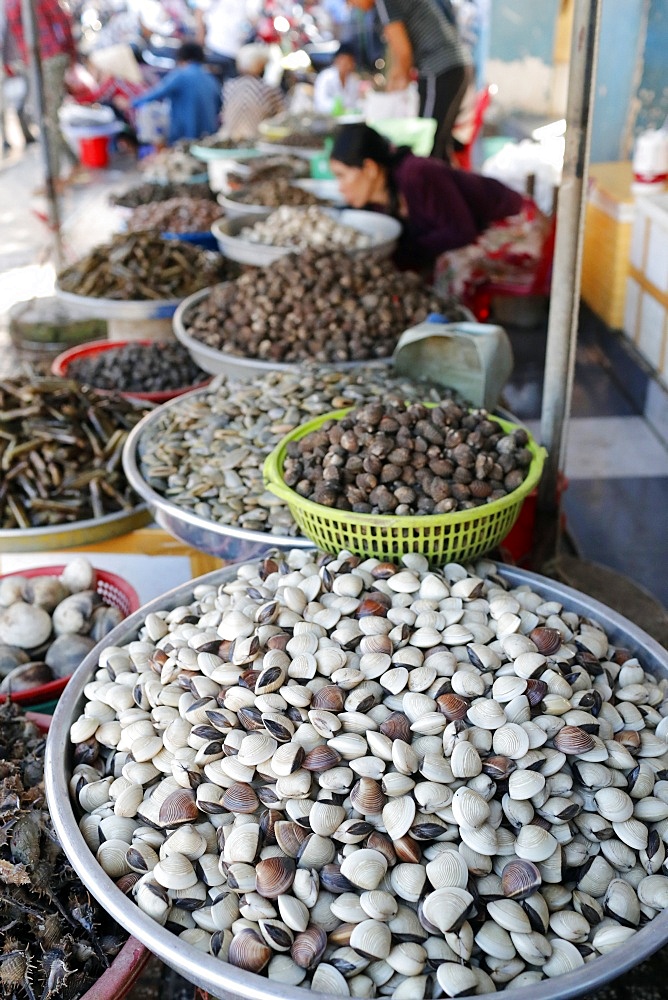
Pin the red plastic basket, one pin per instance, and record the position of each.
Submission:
(61, 363)
(114, 591)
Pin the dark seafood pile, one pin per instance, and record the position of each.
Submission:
(141, 266)
(177, 215)
(221, 142)
(60, 452)
(276, 192)
(271, 167)
(156, 367)
(56, 940)
(394, 458)
(142, 194)
(319, 307)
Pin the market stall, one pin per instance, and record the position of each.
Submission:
(367, 757)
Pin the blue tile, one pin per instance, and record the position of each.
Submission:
(622, 524)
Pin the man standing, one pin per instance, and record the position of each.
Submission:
(418, 34)
(223, 27)
(57, 52)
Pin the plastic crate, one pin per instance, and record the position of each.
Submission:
(442, 538)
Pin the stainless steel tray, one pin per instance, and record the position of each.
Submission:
(222, 540)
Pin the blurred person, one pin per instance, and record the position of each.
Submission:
(420, 36)
(57, 53)
(193, 94)
(337, 88)
(440, 208)
(248, 99)
(223, 27)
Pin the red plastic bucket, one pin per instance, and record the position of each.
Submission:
(94, 152)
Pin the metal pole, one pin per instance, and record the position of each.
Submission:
(46, 140)
(565, 289)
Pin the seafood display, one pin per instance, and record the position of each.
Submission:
(315, 306)
(206, 454)
(141, 266)
(56, 940)
(375, 779)
(217, 141)
(299, 131)
(176, 215)
(275, 192)
(60, 452)
(395, 458)
(174, 164)
(49, 622)
(271, 167)
(300, 228)
(158, 366)
(143, 194)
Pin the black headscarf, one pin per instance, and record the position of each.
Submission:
(353, 144)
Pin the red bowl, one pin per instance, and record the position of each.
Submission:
(61, 363)
(114, 591)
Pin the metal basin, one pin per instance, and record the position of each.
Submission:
(231, 983)
(214, 361)
(222, 540)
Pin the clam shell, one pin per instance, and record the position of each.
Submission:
(175, 872)
(308, 947)
(274, 876)
(456, 980)
(614, 804)
(378, 905)
(447, 869)
(520, 879)
(534, 843)
(469, 808)
(365, 868)
(447, 908)
(509, 914)
(407, 881)
(371, 938)
(525, 784)
(248, 951)
(398, 815)
(327, 979)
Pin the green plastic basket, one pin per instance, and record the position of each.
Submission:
(442, 538)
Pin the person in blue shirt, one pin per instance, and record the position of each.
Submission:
(193, 94)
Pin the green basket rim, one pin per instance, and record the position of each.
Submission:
(272, 471)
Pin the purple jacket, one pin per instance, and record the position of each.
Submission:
(447, 208)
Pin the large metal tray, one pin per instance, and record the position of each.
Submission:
(227, 982)
(222, 540)
(67, 536)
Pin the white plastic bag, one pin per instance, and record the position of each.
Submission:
(380, 104)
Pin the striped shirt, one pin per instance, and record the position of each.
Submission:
(247, 101)
(435, 41)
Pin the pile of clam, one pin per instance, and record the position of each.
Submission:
(378, 780)
(48, 623)
(299, 228)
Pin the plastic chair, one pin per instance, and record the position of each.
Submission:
(469, 125)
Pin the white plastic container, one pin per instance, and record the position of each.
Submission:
(476, 359)
(650, 162)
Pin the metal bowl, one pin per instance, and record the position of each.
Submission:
(110, 309)
(326, 191)
(223, 980)
(214, 361)
(383, 229)
(67, 536)
(222, 540)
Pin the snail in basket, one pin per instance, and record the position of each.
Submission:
(398, 458)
